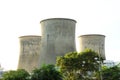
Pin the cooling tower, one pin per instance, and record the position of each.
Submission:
(29, 52)
(58, 38)
(95, 42)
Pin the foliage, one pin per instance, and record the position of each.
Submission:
(90, 60)
(68, 65)
(47, 72)
(20, 74)
(112, 73)
(67, 62)
(75, 65)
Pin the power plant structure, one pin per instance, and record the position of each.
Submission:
(95, 42)
(58, 38)
(29, 52)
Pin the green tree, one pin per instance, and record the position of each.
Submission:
(19, 74)
(112, 73)
(78, 65)
(68, 65)
(47, 72)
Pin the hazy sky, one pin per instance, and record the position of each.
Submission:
(22, 17)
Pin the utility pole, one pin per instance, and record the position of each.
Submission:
(100, 63)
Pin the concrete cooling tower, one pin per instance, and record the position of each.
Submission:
(95, 42)
(58, 38)
(29, 52)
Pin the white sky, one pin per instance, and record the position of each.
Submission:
(22, 17)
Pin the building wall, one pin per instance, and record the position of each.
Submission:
(29, 52)
(95, 42)
(109, 63)
(58, 38)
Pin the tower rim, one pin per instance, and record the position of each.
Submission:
(26, 36)
(91, 35)
(58, 19)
